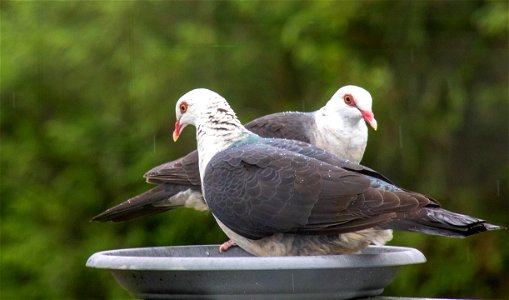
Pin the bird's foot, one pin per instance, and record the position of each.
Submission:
(226, 245)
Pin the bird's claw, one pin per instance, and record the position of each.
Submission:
(226, 245)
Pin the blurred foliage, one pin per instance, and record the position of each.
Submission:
(87, 104)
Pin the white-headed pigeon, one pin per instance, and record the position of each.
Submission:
(285, 197)
(339, 127)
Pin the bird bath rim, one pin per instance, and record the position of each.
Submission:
(208, 257)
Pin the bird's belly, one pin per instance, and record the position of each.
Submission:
(286, 244)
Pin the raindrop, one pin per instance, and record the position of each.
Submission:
(13, 100)
(498, 188)
(154, 142)
(400, 134)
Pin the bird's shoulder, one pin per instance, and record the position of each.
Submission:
(289, 125)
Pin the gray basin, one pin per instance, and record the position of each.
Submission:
(201, 272)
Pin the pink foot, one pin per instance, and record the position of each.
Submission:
(226, 245)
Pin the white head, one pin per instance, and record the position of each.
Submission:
(201, 105)
(352, 103)
(217, 126)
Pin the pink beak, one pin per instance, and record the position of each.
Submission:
(176, 132)
(369, 117)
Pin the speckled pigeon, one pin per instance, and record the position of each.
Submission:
(339, 127)
(285, 197)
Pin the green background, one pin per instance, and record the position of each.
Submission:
(87, 106)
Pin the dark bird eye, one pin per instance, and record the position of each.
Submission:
(183, 107)
(348, 99)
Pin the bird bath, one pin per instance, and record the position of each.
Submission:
(199, 272)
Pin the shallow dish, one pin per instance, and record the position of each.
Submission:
(192, 272)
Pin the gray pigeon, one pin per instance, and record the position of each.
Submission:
(275, 197)
(339, 127)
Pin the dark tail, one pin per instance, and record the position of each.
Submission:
(438, 221)
(156, 200)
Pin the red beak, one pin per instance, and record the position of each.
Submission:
(369, 117)
(176, 132)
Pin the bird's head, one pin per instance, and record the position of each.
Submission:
(352, 102)
(198, 106)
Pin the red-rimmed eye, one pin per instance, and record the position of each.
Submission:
(348, 99)
(183, 107)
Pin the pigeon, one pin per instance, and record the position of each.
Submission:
(338, 127)
(280, 197)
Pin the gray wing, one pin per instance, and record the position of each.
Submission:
(286, 125)
(258, 190)
(180, 171)
(325, 156)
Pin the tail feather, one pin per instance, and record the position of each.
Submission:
(438, 221)
(156, 200)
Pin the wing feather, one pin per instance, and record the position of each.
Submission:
(180, 171)
(258, 190)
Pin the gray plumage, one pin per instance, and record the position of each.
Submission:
(266, 186)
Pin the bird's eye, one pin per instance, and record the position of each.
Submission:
(183, 107)
(348, 99)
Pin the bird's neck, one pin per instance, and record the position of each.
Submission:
(213, 137)
(345, 137)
